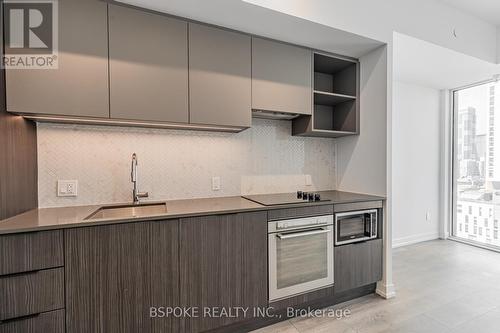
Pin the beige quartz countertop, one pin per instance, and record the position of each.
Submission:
(68, 217)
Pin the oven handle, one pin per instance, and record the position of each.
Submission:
(301, 234)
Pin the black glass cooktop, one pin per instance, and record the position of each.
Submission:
(286, 198)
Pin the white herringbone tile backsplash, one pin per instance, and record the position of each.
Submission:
(177, 164)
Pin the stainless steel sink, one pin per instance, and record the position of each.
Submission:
(128, 211)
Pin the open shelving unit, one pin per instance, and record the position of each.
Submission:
(335, 99)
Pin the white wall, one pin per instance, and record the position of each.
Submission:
(416, 163)
(429, 20)
(177, 164)
(362, 159)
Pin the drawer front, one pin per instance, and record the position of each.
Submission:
(31, 293)
(357, 265)
(286, 213)
(31, 251)
(48, 322)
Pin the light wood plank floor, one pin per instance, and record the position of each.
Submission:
(442, 286)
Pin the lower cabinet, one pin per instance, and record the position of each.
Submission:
(52, 321)
(115, 273)
(223, 265)
(357, 265)
(32, 293)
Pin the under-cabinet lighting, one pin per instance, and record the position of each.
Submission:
(114, 122)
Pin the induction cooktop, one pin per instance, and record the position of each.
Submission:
(286, 198)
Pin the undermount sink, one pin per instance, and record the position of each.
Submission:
(128, 211)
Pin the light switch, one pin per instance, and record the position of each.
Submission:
(67, 188)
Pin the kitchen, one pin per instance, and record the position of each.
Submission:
(172, 163)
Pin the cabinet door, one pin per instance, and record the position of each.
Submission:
(115, 273)
(219, 76)
(108, 278)
(164, 256)
(281, 77)
(357, 265)
(223, 263)
(148, 59)
(79, 87)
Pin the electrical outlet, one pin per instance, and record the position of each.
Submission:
(67, 188)
(216, 183)
(308, 180)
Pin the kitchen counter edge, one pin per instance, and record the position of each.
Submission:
(42, 219)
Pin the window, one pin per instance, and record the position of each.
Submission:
(476, 162)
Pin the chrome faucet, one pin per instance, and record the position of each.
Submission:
(136, 194)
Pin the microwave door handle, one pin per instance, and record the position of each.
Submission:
(373, 226)
(301, 234)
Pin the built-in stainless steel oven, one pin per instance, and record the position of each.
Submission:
(300, 255)
(357, 226)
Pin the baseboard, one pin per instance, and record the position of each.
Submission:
(403, 241)
(385, 291)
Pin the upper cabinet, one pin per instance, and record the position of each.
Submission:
(119, 65)
(220, 86)
(281, 77)
(79, 87)
(148, 66)
(335, 100)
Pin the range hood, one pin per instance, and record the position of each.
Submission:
(274, 115)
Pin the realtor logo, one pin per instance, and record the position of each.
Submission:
(30, 34)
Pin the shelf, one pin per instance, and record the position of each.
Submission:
(335, 99)
(330, 65)
(327, 98)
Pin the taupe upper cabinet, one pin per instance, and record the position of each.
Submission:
(219, 76)
(80, 86)
(281, 77)
(148, 59)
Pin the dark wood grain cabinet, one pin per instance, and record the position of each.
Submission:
(31, 251)
(223, 263)
(47, 322)
(115, 273)
(357, 265)
(31, 293)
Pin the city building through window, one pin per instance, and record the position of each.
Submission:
(476, 160)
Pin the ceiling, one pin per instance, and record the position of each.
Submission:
(488, 10)
(257, 20)
(426, 64)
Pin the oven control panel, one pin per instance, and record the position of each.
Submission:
(300, 223)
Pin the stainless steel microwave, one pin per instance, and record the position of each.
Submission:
(356, 226)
